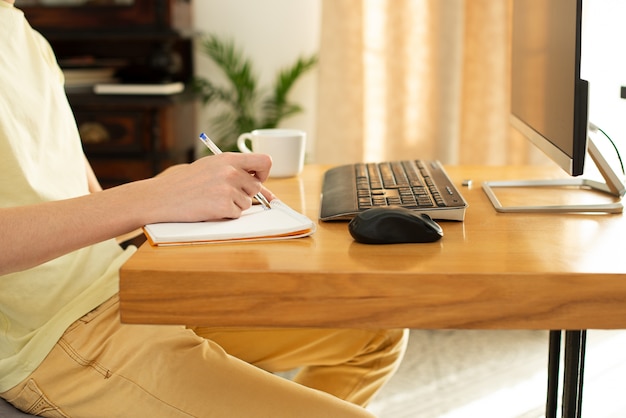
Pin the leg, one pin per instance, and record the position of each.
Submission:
(101, 367)
(350, 364)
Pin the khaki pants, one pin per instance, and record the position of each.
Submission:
(102, 368)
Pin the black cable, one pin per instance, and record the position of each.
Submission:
(619, 157)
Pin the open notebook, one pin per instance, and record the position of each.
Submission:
(255, 224)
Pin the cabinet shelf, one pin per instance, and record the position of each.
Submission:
(136, 34)
(144, 14)
(126, 137)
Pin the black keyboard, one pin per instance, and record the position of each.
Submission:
(423, 186)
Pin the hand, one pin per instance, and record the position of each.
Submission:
(213, 187)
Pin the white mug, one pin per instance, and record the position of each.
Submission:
(285, 146)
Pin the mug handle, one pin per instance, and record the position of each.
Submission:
(241, 142)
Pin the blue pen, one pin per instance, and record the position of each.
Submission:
(215, 150)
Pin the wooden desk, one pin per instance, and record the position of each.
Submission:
(492, 271)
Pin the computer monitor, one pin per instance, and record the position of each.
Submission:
(549, 100)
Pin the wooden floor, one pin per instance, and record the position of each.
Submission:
(499, 374)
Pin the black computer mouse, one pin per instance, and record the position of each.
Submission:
(393, 225)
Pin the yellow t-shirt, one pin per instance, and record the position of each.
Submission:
(41, 159)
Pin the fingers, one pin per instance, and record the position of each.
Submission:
(242, 202)
(223, 202)
(231, 180)
(256, 164)
(267, 193)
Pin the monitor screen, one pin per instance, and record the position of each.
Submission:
(548, 98)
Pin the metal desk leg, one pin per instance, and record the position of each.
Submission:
(575, 344)
(573, 373)
(554, 361)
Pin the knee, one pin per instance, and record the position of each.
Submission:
(387, 344)
(395, 342)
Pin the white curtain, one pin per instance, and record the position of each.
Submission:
(416, 79)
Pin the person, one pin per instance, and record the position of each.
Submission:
(63, 350)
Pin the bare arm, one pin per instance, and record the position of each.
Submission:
(94, 186)
(211, 188)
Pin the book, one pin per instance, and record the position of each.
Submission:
(88, 76)
(121, 88)
(255, 224)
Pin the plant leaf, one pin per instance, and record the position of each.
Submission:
(238, 103)
(277, 107)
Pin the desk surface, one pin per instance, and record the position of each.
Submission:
(492, 271)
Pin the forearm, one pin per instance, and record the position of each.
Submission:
(210, 188)
(38, 233)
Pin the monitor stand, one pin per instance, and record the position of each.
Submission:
(613, 186)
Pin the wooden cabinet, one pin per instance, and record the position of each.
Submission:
(108, 15)
(135, 137)
(126, 137)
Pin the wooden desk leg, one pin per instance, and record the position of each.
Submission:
(573, 373)
(554, 362)
(575, 344)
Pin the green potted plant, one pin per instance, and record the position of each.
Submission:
(242, 105)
